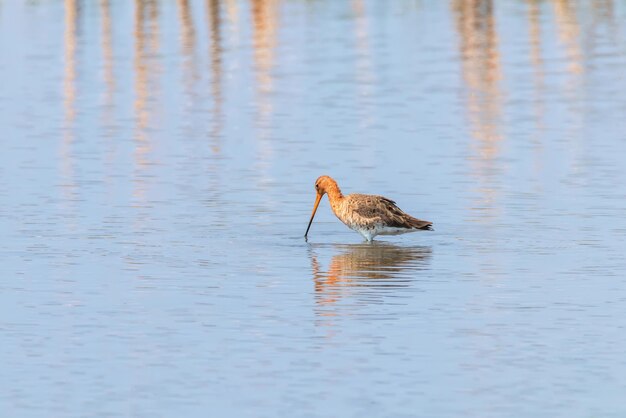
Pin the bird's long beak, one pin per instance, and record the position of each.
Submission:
(317, 203)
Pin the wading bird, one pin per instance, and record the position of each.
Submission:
(366, 214)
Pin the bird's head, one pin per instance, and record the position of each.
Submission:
(323, 185)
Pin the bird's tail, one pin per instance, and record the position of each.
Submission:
(420, 224)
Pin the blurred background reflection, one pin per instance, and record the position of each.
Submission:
(156, 176)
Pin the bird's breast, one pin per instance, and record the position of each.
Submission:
(344, 212)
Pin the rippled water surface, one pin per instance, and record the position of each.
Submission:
(156, 178)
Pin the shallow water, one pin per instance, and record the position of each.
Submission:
(156, 178)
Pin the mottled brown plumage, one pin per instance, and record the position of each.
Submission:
(369, 215)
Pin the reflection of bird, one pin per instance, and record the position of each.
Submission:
(369, 215)
(379, 266)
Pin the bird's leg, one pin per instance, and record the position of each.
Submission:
(367, 235)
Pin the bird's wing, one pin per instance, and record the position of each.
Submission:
(370, 206)
(379, 209)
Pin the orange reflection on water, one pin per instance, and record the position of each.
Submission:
(107, 51)
(534, 19)
(538, 65)
(108, 111)
(188, 32)
(232, 17)
(482, 73)
(146, 46)
(367, 269)
(69, 83)
(188, 43)
(146, 33)
(69, 95)
(481, 70)
(214, 24)
(568, 28)
(264, 21)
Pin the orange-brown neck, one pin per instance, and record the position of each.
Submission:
(326, 185)
(334, 193)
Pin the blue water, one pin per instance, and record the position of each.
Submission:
(156, 179)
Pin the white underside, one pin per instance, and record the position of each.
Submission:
(370, 233)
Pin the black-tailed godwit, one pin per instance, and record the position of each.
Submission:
(369, 215)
